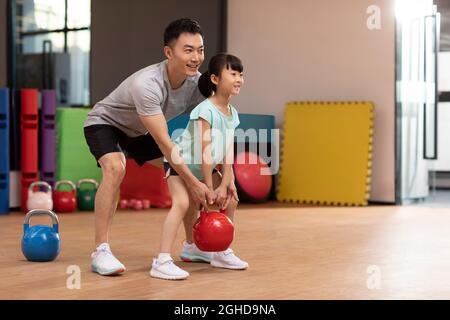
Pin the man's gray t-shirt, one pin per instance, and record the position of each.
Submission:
(147, 92)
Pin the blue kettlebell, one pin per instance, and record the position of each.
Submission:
(41, 243)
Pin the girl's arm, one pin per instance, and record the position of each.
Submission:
(205, 132)
(232, 192)
(227, 174)
(157, 127)
(223, 194)
(227, 165)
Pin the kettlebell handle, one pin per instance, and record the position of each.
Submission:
(40, 183)
(68, 182)
(221, 211)
(94, 182)
(55, 221)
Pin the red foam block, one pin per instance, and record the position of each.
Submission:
(146, 182)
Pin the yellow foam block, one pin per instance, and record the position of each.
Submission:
(326, 153)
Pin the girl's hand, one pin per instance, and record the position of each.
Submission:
(221, 196)
(231, 193)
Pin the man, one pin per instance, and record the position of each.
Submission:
(132, 119)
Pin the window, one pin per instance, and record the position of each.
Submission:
(51, 47)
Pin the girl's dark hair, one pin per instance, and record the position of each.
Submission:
(177, 27)
(217, 63)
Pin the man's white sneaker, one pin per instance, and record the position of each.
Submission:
(191, 253)
(104, 262)
(228, 260)
(167, 270)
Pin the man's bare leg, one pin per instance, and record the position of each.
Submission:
(113, 169)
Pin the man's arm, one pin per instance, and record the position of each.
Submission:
(157, 127)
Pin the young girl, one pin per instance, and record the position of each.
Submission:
(206, 141)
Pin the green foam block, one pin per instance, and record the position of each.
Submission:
(74, 160)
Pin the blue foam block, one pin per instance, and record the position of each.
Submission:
(248, 122)
(4, 150)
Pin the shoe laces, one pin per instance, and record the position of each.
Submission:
(169, 261)
(227, 252)
(102, 250)
(105, 249)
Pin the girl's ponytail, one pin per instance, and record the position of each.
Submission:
(205, 85)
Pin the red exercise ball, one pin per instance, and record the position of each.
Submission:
(250, 182)
(213, 231)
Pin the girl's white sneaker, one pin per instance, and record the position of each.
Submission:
(228, 260)
(167, 270)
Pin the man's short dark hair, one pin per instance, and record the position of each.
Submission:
(177, 27)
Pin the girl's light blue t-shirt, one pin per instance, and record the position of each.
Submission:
(222, 136)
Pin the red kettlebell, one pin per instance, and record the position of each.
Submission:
(65, 201)
(213, 231)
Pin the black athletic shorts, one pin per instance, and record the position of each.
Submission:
(103, 139)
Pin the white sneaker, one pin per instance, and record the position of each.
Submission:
(104, 262)
(191, 253)
(228, 260)
(167, 270)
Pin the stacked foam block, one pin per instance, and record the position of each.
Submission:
(73, 158)
(327, 153)
(255, 134)
(28, 144)
(4, 150)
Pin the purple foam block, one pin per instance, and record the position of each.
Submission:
(48, 137)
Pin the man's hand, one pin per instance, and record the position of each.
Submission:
(202, 196)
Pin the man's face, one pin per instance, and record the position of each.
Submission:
(186, 54)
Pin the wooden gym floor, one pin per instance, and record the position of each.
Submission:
(377, 252)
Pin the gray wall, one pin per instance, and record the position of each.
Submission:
(444, 9)
(128, 35)
(319, 50)
(3, 37)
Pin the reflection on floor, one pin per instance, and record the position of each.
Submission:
(439, 198)
(294, 252)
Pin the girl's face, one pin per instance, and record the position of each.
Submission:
(230, 82)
